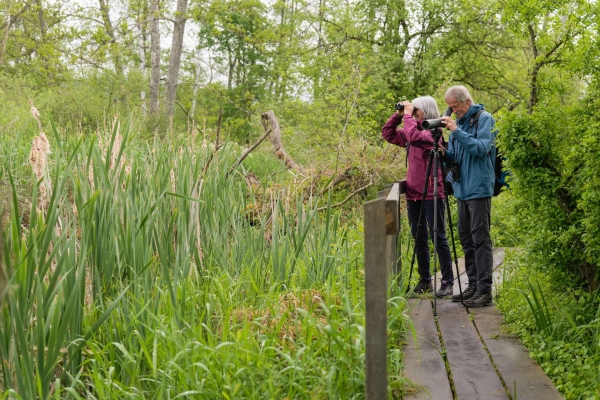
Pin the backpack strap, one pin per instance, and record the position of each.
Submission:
(475, 120)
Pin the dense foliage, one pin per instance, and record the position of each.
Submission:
(331, 70)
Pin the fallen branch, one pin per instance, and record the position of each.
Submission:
(255, 145)
(346, 199)
(268, 118)
(341, 177)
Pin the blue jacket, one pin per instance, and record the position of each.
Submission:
(472, 146)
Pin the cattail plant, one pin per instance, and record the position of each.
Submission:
(40, 148)
(3, 276)
(172, 256)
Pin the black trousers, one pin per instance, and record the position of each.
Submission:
(426, 230)
(474, 220)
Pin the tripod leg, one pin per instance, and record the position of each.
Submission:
(435, 229)
(452, 235)
(412, 262)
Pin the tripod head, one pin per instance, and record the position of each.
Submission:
(436, 134)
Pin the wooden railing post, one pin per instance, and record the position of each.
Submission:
(381, 227)
(375, 300)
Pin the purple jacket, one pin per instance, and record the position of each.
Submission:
(421, 143)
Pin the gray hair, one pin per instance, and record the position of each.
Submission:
(428, 105)
(459, 93)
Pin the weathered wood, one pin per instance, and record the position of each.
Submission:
(392, 210)
(464, 280)
(375, 300)
(423, 362)
(512, 358)
(268, 118)
(346, 175)
(472, 371)
(392, 228)
(391, 255)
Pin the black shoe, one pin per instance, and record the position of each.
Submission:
(423, 286)
(445, 291)
(466, 294)
(479, 300)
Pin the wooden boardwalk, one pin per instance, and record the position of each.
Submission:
(468, 354)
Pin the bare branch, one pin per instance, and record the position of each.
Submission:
(346, 199)
(255, 145)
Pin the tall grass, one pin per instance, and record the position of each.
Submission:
(147, 277)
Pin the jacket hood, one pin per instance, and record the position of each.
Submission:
(471, 111)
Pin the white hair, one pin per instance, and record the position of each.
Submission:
(428, 105)
(459, 93)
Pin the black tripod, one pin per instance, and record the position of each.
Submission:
(435, 162)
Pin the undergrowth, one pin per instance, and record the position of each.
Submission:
(145, 269)
(559, 325)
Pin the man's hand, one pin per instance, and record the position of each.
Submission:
(450, 123)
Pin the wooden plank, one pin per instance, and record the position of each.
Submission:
(423, 362)
(392, 228)
(391, 255)
(512, 358)
(392, 210)
(472, 371)
(464, 281)
(375, 300)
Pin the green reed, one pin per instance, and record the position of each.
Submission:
(148, 277)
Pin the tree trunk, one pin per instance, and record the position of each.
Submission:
(110, 30)
(230, 74)
(142, 66)
(154, 56)
(533, 75)
(5, 38)
(175, 56)
(196, 84)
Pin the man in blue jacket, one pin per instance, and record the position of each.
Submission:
(470, 157)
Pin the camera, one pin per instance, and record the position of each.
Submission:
(399, 106)
(436, 123)
(455, 170)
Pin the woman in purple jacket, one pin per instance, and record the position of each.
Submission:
(419, 143)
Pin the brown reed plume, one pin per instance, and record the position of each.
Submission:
(40, 148)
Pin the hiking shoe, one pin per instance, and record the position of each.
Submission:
(466, 294)
(423, 286)
(479, 300)
(445, 291)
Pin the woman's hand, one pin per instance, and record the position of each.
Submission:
(408, 107)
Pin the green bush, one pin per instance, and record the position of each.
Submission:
(551, 195)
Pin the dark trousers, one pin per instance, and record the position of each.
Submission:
(474, 219)
(426, 229)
